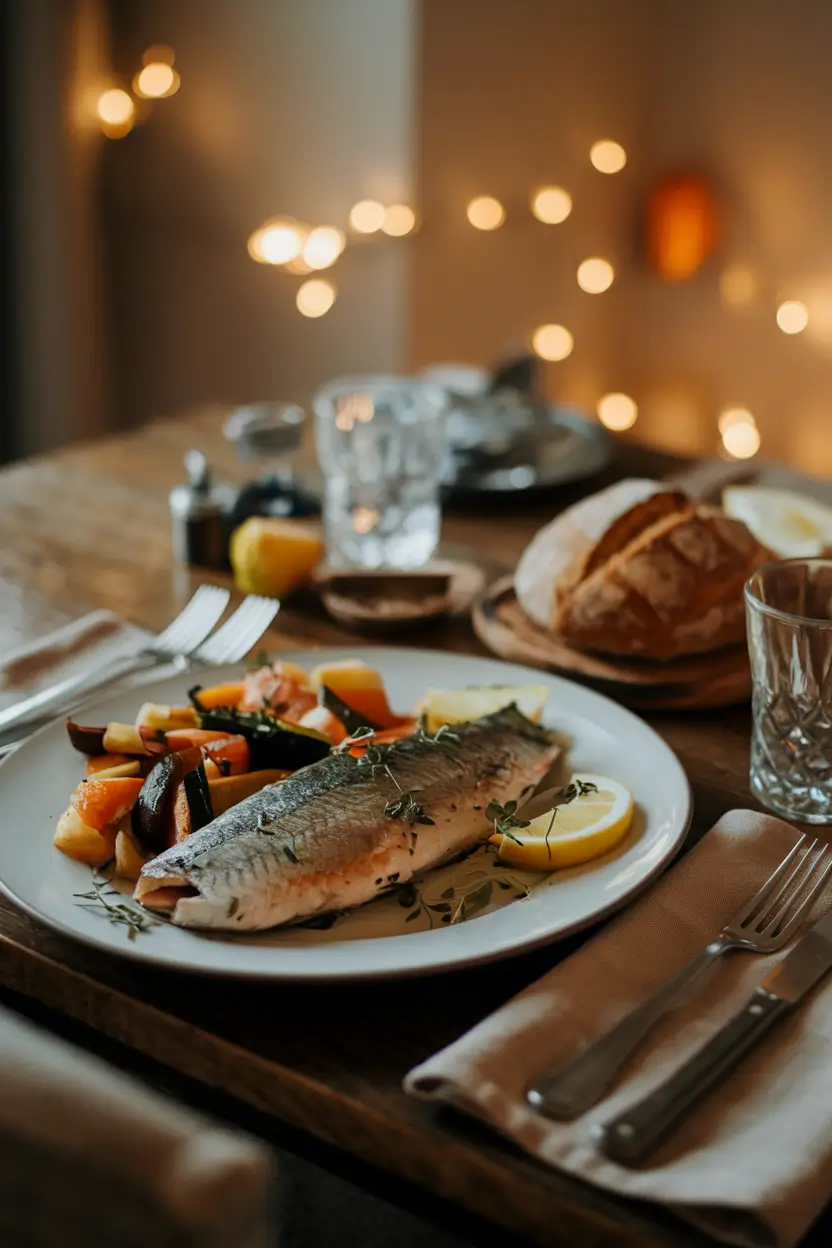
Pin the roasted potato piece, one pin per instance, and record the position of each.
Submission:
(129, 859)
(77, 840)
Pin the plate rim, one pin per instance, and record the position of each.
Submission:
(464, 961)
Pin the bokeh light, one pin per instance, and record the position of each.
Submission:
(156, 81)
(486, 213)
(399, 219)
(551, 204)
(315, 297)
(277, 242)
(552, 342)
(730, 416)
(617, 411)
(737, 286)
(792, 317)
(115, 107)
(323, 246)
(367, 216)
(741, 441)
(595, 275)
(607, 156)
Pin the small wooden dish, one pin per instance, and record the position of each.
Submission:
(709, 680)
(387, 600)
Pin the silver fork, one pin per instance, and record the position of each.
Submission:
(765, 925)
(239, 634)
(182, 637)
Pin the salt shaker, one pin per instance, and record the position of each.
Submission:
(199, 517)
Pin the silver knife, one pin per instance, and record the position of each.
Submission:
(639, 1130)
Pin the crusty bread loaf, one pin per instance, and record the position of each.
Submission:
(639, 570)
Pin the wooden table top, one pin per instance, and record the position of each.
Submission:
(88, 527)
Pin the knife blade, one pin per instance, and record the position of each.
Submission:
(634, 1134)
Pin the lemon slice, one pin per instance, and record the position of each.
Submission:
(460, 706)
(575, 832)
(790, 524)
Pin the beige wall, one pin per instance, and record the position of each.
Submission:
(513, 95)
(300, 107)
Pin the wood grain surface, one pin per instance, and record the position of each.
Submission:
(88, 527)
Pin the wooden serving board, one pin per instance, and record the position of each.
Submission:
(710, 680)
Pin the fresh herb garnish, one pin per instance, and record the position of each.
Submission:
(575, 788)
(504, 820)
(116, 912)
(290, 854)
(407, 808)
(360, 735)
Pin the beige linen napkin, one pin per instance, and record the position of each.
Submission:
(90, 1156)
(83, 645)
(753, 1164)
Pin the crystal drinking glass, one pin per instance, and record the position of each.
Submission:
(381, 447)
(789, 610)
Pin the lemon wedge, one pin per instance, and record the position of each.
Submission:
(790, 524)
(460, 706)
(271, 557)
(575, 832)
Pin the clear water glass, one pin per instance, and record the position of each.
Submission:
(381, 447)
(789, 611)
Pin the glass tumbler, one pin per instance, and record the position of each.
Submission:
(789, 611)
(381, 447)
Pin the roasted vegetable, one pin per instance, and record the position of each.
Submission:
(351, 719)
(166, 718)
(123, 739)
(78, 840)
(198, 793)
(129, 859)
(228, 694)
(223, 747)
(102, 765)
(152, 819)
(102, 802)
(405, 729)
(89, 741)
(230, 790)
(273, 743)
(360, 686)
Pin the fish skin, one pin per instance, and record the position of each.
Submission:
(321, 841)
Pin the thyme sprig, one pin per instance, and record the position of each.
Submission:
(115, 912)
(504, 821)
(407, 808)
(575, 788)
(360, 735)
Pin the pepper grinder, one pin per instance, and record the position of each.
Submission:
(199, 516)
(271, 434)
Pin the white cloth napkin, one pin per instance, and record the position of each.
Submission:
(753, 1163)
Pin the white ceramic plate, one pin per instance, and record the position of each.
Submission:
(377, 940)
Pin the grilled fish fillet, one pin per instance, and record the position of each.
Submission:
(335, 834)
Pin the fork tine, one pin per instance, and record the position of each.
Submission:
(195, 621)
(760, 898)
(788, 889)
(778, 924)
(237, 636)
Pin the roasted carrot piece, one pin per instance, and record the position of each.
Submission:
(229, 694)
(405, 729)
(101, 803)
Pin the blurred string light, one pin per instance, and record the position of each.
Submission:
(737, 286)
(398, 220)
(595, 275)
(486, 213)
(607, 156)
(551, 205)
(739, 432)
(367, 216)
(156, 81)
(617, 411)
(323, 246)
(278, 241)
(315, 297)
(552, 342)
(116, 112)
(792, 317)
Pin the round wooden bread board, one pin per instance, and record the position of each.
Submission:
(719, 679)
